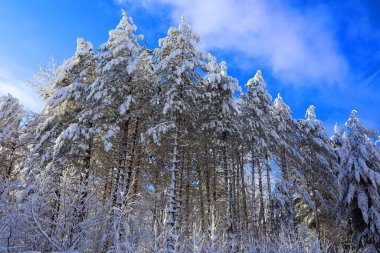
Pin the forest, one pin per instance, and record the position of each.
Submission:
(161, 150)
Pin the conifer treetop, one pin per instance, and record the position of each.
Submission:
(310, 113)
(83, 48)
(280, 105)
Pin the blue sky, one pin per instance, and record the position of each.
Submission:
(317, 52)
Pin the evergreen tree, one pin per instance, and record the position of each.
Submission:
(63, 143)
(288, 159)
(11, 115)
(359, 179)
(117, 97)
(11, 155)
(317, 176)
(220, 124)
(257, 121)
(178, 84)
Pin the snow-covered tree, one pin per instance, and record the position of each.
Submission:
(178, 83)
(288, 159)
(359, 179)
(12, 146)
(258, 124)
(45, 78)
(256, 113)
(219, 123)
(338, 139)
(316, 180)
(59, 120)
(11, 115)
(119, 97)
(64, 143)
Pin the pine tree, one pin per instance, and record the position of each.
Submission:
(63, 143)
(178, 85)
(317, 176)
(11, 154)
(118, 97)
(257, 121)
(219, 122)
(359, 179)
(11, 115)
(288, 159)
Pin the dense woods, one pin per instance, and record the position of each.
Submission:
(141, 150)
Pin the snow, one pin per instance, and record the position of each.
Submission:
(124, 107)
(78, 175)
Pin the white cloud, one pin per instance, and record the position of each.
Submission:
(298, 46)
(19, 89)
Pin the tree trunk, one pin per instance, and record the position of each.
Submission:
(136, 186)
(229, 196)
(180, 189)
(262, 221)
(187, 200)
(214, 180)
(85, 180)
(289, 187)
(208, 191)
(200, 190)
(118, 197)
(120, 178)
(270, 200)
(253, 191)
(244, 193)
(130, 166)
(171, 236)
(237, 200)
(236, 196)
(317, 217)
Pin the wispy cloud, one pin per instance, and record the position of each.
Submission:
(18, 87)
(297, 44)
